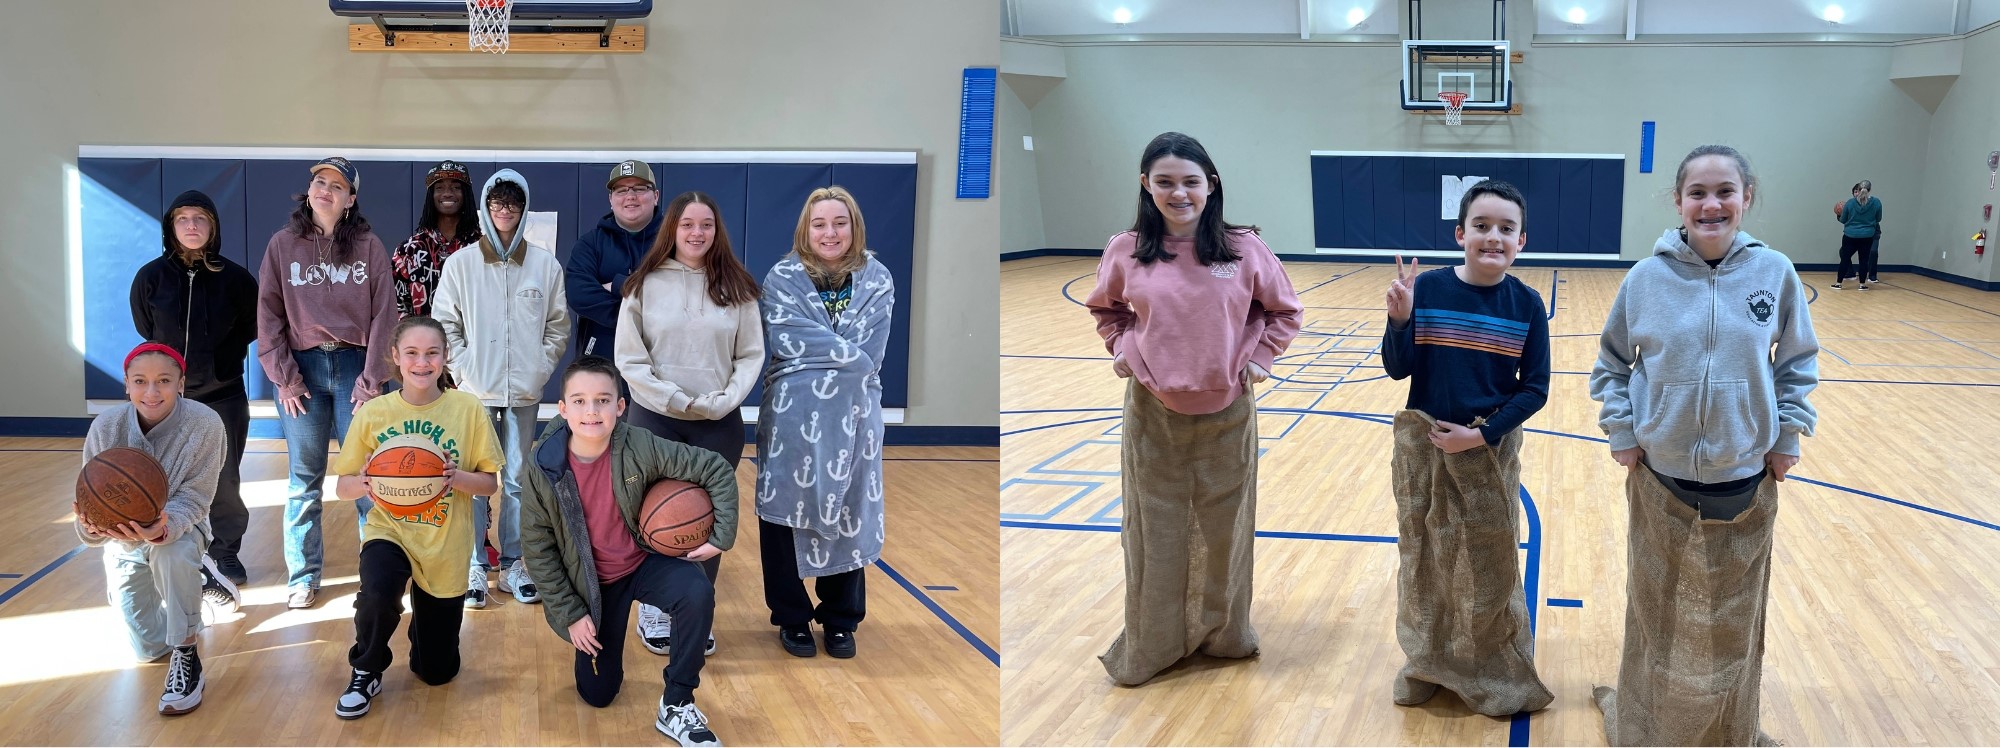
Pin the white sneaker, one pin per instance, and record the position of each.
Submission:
(475, 587)
(685, 724)
(184, 682)
(656, 630)
(361, 692)
(517, 581)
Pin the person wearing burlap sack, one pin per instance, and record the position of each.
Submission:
(1706, 361)
(1194, 311)
(1474, 343)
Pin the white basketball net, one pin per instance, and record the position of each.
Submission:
(1454, 106)
(486, 22)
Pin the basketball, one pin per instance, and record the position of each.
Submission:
(675, 517)
(119, 485)
(406, 475)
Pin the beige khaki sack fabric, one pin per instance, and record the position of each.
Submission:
(1461, 616)
(1190, 505)
(1694, 621)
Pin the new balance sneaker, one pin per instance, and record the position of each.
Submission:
(302, 597)
(517, 581)
(232, 569)
(656, 630)
(219, 597)
(475, 587)
(361, 692)
(684, 723)
(840, 644)
(184, 682)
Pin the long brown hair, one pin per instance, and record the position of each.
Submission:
(857, 250)
(729, 283)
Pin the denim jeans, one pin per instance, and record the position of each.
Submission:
(329, 379)
(516, 429)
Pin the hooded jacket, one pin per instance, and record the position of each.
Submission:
(505, 316)
(206, 310)
(1686, 368)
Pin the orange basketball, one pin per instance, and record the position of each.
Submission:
(676, 517)
(406, 475)
(119, 485)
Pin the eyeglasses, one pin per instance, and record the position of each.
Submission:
(503, 208)
(640, 191)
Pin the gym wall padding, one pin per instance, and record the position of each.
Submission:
(1391, 201)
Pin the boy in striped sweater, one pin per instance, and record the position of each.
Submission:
(1474, 341)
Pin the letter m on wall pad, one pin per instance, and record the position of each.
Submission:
(1451, 191)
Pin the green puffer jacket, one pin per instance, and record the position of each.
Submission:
(554, 539)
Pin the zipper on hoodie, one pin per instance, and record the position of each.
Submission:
(187, 322)
(1708, 369)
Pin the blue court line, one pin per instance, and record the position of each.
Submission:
(940, 588)
(1947, 301)
(1275, 534)
(1315, 286)
(963, 632)
(1561, 602)
(1057, 358)
(37, 576)
(10, 576)
(1554, 286)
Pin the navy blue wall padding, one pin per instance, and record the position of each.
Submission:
(122, 199)
(1395, 202)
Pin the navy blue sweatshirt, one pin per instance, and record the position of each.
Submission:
(606, 253)
(1473, 351)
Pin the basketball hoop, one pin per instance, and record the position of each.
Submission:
(486, 24)
(1454, 106)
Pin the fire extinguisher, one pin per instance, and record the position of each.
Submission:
(1979, 243)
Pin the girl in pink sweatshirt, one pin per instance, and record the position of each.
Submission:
(1194, 310)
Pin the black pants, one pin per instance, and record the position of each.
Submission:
(843, 597)
(1874, 254)
(226, 514)
(1851, 246)
(723, 436)
(675, 586)
(385, 573)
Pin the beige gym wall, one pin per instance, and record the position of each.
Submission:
(741, 74)
(1813, 118)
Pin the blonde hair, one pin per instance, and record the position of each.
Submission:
(857, 249)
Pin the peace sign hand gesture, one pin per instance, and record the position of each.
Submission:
(1403, 292)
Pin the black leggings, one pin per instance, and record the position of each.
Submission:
(1849, 247)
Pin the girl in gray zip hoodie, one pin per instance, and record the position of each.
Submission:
(1706, 361)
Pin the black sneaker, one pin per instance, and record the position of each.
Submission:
(184, 682)
(840, 644)
(655, 629)
(360, 693)
(1836, 284)
(1864, 286)
(684, 723)
(798, 641)
(232, 570)
(1874, 280)
(219, 597)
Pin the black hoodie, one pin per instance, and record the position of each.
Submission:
(207, 311)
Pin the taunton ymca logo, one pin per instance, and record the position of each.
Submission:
(328, 273)
(1761, 304)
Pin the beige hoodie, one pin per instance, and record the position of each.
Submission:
(683, 355)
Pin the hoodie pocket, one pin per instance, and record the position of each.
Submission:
(1738, 428)
(1672, 423)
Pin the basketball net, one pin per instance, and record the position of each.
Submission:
(486, 24)
(1454, 106)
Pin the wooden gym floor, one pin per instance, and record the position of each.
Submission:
(926, 673)
(1883, 605)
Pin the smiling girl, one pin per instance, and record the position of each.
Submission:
(1706, 360)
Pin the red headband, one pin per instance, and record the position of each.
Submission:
(145, 348)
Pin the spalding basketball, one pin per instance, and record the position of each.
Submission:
(676, 517)
(406, 475)
(120, 485)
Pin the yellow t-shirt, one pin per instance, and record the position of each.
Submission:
(439, 541)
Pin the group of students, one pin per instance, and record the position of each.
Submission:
(451, 339)
(1705, 364)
